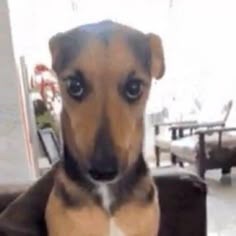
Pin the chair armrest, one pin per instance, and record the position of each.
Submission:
(31, 206)
(7, 198)
(220, 131)
(197, 125)
(216, 130)
(174, 123)
(177, 123)
(182, 197)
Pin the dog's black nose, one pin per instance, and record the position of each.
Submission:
(105, 169)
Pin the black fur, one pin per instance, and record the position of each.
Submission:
(68, 200)
(74, 172)
(140, 47)
(123, 190)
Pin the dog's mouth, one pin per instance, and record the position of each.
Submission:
(108, 175)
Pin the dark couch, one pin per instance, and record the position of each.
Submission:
(182, 199)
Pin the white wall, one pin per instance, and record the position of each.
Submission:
(200, 53)
(13, 155)
(201, 49)
(34, 22)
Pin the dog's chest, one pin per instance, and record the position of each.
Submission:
(130, 219)
(107, 198)
(114, 229)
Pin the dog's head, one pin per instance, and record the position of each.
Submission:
(105, 72)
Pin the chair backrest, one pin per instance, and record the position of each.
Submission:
(215, 112)
(227, 110)
(159, 117)
(231, 119)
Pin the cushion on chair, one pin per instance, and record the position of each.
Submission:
(163, 139)
(163, 142)
(187, 147)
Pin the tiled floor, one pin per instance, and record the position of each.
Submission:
(221, 205)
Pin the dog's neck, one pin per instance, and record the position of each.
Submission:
(134, 184)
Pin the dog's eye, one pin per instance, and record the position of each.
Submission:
(133, 90)
(76, 86)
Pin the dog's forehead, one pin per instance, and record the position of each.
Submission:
(76, 41)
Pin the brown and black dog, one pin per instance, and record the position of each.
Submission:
(103, 187)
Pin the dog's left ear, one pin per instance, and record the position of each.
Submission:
(54, 45)
(157, 56)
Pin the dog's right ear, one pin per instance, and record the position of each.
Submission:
(55, 45)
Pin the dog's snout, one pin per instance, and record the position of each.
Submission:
(104, 164)
(104, 169)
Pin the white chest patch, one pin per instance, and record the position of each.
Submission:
(107, 199)
(106, 196)
(114, 229)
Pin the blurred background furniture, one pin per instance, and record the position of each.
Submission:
(172, 115)
(166, 132)
(212, 148)
(209, 145)
(50, 144)
(164, 136)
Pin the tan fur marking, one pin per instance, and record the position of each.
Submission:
(134, 219)
(88, 221)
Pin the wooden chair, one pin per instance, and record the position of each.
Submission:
(164, 135)
(209, 146)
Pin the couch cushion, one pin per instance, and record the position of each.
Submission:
(9, 192)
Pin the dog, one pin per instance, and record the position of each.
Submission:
(103, 186)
